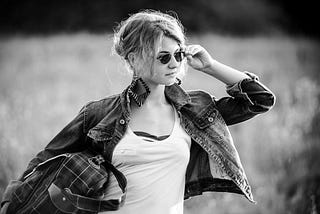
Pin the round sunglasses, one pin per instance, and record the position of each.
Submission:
(165, 58)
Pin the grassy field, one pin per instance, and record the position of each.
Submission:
(44, 81)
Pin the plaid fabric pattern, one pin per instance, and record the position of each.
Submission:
(80, 173)
(82, 178)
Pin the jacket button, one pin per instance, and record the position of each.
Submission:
(122, 121)
(210, 119)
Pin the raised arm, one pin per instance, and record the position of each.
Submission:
(249, 96)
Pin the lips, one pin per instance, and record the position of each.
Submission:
(171, 74)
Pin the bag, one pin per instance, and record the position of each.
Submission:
(67, 183)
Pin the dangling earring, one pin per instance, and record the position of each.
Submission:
(138, 99)
(178, 81)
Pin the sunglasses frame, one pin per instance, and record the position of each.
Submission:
(164, 59)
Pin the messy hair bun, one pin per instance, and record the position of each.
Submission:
(140, 32)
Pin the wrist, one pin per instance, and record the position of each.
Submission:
(211, 67)
(224, 73)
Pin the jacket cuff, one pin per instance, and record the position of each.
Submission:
(9, 190)
(236, 90)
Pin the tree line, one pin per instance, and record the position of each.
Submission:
(221, 16)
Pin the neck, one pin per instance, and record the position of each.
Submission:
(156, 96)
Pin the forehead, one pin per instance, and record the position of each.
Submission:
(167, 44)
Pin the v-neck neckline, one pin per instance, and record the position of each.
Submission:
(131, 132)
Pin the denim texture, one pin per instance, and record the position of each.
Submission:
(101, 124)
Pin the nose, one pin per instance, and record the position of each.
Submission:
(173, 63)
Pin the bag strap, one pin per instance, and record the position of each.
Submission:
(122, 181)
(91, 204)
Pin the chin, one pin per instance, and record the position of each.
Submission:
(166, 81)
(170, 83)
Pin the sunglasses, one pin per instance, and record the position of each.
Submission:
(165, 58)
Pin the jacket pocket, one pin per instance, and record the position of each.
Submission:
(206, 117)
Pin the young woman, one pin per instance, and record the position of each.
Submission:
(169, 143)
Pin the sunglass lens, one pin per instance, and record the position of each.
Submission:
(178, 56)
(164, 59)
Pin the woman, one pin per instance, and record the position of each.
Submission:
(170, 144)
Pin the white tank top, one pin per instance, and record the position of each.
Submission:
(155, 172)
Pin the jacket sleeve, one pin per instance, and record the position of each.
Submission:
(72, 138)
(249, 97)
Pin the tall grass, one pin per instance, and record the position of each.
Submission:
(44, 81)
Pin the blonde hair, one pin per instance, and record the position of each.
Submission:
(141, 32)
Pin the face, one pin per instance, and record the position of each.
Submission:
(166, 64)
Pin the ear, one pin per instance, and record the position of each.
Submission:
(131, 59)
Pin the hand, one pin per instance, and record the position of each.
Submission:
(198, 58)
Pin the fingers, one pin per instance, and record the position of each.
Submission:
(192, 50)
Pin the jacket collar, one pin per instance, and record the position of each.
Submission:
(177, 96)
(174, 93)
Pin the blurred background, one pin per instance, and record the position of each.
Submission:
(55, 56)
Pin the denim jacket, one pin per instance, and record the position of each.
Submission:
(214, 163)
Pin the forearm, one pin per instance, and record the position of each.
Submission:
(224, 73)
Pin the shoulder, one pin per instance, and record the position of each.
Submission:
(101, 104)
(94, 111)
(200, 97)
(202, 109)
